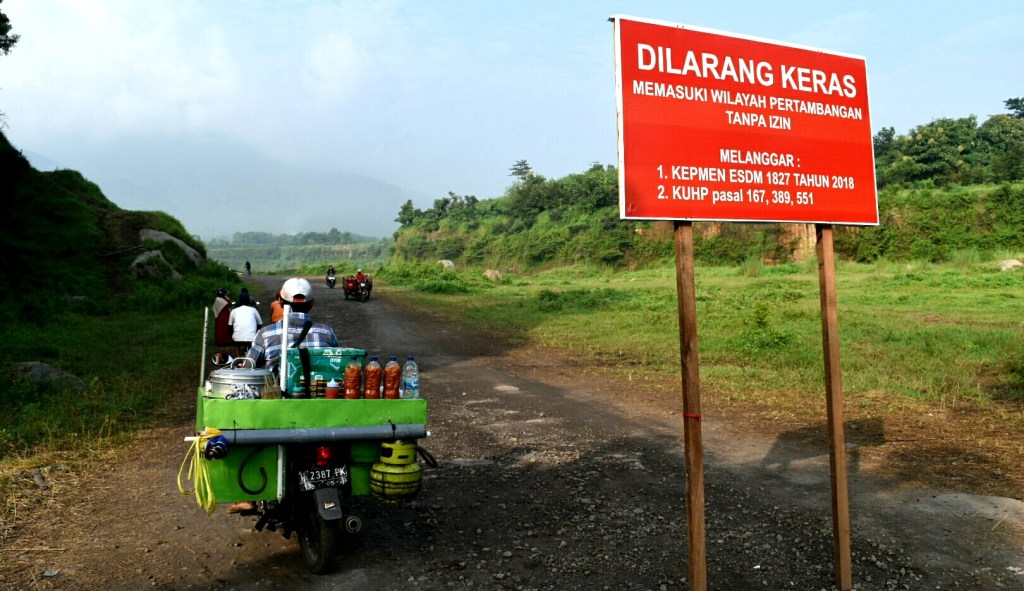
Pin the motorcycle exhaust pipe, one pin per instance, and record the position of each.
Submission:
(353, 524)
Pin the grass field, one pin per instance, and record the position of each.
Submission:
(940, 334)
(932, 355)
(132, 363)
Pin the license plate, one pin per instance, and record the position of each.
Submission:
(313, 479)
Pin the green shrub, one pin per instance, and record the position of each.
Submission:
(441, 285)
(759, 336)
(580, 299)
(188, 292)
(430, 278)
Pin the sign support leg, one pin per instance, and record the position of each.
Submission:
(834, 407)
(691, 406)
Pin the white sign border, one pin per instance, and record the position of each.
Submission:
(616, 19)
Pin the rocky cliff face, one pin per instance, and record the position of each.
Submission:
(153, 264)
(798, 240)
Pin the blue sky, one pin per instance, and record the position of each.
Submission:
(291, 116)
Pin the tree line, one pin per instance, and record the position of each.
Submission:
(331, 237)
(523, 202)
(951, 151)
(923, 176)
(572, 219)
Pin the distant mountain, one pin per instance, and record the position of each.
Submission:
(217, 189)
(325, 200)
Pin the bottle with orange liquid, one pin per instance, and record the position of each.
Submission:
(353, 378)
(372, 376)
(392, 379)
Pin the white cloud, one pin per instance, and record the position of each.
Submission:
(332, 68)
(117, 66)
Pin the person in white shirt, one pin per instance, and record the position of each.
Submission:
(244, 321)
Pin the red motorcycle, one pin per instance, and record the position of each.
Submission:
(356, 288)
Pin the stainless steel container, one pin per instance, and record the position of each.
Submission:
(242, 384)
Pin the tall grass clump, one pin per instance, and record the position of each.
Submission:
(549, 300)
(752, 266)
(759, 335)
(967, 257)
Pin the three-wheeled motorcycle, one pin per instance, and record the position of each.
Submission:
(357, 288)
(294, 457)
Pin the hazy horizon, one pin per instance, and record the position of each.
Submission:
(304, 116)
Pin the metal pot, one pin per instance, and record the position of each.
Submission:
(240, 383)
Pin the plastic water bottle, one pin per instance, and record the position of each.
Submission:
(411, 379)
(392, 378)
(372, 377)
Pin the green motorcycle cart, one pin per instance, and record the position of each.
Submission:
(293, 458)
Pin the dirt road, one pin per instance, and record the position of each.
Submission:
(550, 477)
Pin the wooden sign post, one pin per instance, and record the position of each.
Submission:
(834, 407)
(721, 127)
(685, 292)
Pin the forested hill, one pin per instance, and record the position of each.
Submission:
(571, 219)
(66, 245)
(945, 187)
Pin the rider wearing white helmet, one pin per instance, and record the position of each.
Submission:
(266, 345)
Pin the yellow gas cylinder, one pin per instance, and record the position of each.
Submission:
(397, 476)
(393, 482)
(398, 452)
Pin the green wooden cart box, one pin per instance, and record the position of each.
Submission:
(255, 430)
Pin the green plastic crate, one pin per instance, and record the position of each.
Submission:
(325, 364)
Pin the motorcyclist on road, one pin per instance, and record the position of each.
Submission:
(276, 308)
(245, 321)
(330, 270)
(360, 276)
(221, 310)
(266, 345)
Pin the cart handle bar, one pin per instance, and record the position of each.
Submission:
(278, 436)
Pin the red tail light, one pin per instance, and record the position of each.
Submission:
(323, 456)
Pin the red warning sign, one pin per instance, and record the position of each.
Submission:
(717, 126)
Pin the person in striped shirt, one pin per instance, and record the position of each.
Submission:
(266, 345)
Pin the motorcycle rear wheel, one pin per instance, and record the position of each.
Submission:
(318, 540)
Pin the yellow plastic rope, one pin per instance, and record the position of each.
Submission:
(199, 471)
